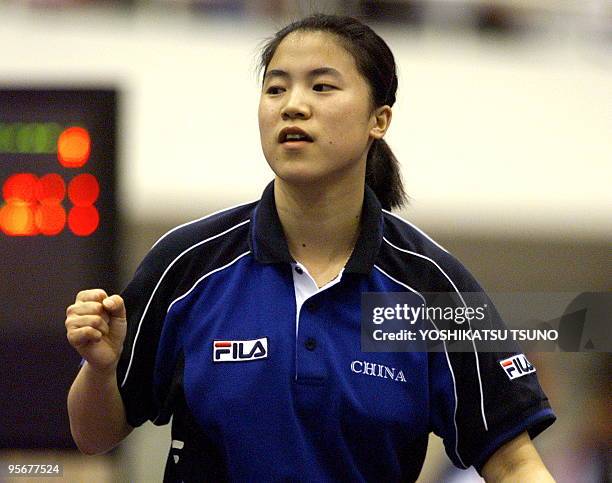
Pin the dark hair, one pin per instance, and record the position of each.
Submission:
(376, 64)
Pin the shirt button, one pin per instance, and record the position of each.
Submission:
(310, 344)
(299, 270)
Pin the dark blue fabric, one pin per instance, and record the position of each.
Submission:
(303, 413)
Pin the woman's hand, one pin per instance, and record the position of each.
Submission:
(96, 326)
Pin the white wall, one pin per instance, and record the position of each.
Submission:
(493, 136)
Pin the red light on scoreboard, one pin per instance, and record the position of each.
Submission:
(83, 190)
(83, 220)
(73, 147)
(19, 187)
(50, 189)
(34, 206)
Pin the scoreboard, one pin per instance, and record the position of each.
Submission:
(58, 224)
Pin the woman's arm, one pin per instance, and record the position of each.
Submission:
(96, 411)
(517, 460)
(96, 328)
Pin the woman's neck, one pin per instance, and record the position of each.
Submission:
(321, 225)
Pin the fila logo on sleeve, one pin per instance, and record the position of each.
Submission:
(517, 366)
(240, 350)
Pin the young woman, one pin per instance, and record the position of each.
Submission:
(245, 325)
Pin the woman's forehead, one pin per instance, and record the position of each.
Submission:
(304, 51)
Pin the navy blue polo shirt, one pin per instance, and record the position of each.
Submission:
(263, 373)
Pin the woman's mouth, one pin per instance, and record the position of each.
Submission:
(296, 144)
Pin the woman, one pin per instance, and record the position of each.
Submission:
(245, 327)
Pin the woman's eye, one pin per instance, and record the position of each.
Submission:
(273, 90)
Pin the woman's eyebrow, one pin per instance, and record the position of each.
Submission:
(313, 73)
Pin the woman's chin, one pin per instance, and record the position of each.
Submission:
(299, 173)
(304, 172)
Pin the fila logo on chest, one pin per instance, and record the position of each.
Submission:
(240, 350)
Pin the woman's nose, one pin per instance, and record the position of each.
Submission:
(295, 107)
(292, 114)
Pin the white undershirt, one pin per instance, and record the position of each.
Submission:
(305, 287)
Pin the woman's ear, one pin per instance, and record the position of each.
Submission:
(381, 120)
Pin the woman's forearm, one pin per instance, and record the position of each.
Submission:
(97, 415)
(517, 460)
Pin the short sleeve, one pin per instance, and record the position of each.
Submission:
(476, 405)
(146, 300)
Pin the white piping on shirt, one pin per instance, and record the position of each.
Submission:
(417, 229)
(450, 367)
(484, 418)
(205, 276)
(200, 219)
(144, 313)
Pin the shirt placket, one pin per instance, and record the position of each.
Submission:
(309, 359)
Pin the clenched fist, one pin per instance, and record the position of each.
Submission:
(96, 326)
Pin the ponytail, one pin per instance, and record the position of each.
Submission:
(383, 175)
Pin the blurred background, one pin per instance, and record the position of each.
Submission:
(503, 126)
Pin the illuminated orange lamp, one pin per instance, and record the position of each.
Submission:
(50, 219)
(83, 220)
(73, 147)
(50, 215)
(17, 215)
(17, 219)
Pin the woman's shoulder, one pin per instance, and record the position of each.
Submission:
(412, 245)
(213, 226)
(406, 236)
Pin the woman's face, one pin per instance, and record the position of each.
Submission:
(312, 83)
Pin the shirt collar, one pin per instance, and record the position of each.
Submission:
(268, 244)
